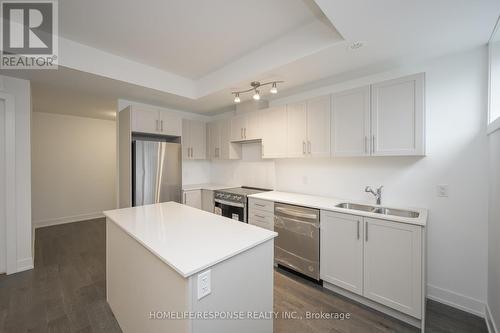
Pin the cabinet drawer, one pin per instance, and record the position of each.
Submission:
(261, 219)
(259, 204)
(260, 214)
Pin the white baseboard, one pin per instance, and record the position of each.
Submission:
(456, 300)
(490, 322)
(24, 264)
(67, 219)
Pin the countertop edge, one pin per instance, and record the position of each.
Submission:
(420, 221)
(192, 272)
(204, 186)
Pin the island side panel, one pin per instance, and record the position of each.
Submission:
(242, 283)
(138, 283)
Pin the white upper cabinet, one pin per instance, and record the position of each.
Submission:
(309, 128)
(393, 265)
(274, 136)
(342, 250)
(155, 121)
(246, 127)
(398, 117)
(170, 124)
(214, 140)
(238, 124)
(253, 127)
(297, 130)
(318, 126)
(219, 145)
(146, 120)
(351, 122)
(194, 139)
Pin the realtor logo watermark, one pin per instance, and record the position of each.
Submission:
(29, 37)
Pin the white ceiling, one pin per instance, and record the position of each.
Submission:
(227, 44)
(190, 38)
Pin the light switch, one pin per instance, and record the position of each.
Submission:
(442, 190)
(204, 287)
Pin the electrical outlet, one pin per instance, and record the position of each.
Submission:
(442, 190)
(204, 284)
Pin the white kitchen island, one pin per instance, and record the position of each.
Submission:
(157, 260)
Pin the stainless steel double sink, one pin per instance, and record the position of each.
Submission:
(379, 210)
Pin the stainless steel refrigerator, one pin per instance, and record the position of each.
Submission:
(156, 172)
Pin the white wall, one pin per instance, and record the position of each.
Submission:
(20, 199)
(251, 170)
(73, 168)
(456, 155)
(494, 231)
(195, 172)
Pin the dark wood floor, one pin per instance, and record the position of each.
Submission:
(66, 293)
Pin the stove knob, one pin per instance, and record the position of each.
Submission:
(235, 197)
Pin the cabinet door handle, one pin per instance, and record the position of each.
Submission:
(366, 231)
(358, 229)
(303, 147)
(157, 125)
(260, 216)
(309, 147)
(184, 197)
(161, 125)
(241, 132)
(191, 152)
(373, 143)
(245, 132)
(366, 144)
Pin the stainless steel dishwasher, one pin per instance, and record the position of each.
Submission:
(297, 244)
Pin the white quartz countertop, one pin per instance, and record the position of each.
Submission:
(187, 239)
(327, 203)
(206, 186)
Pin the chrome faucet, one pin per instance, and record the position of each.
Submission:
(377, 193)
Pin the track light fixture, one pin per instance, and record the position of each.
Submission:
(256, 96)
(274, 89)
(237, 98)
(255, 85)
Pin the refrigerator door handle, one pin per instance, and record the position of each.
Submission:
(159, 170)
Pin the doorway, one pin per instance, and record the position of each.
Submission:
(3, 239)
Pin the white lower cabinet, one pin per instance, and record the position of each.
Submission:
(341, 252)
(261, 213)
(207, 200)
(192, 198)
(378, 259)
(393, 265)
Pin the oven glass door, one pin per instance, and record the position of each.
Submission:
(228, 209)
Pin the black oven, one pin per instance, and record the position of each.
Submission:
(232, 202)
(233, 210)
